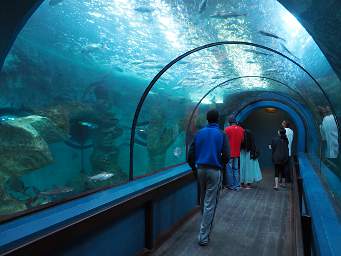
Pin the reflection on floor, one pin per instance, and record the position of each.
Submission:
(249, 222)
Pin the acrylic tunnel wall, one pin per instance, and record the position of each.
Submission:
(82, 75)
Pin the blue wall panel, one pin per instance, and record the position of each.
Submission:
(171, 208)
(121, 238)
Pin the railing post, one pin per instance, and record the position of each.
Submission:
(300, 192)
(307, 234)
(149, 225)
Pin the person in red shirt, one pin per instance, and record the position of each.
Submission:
(235, 135)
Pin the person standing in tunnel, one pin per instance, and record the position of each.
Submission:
(290, 135)
(208, 155)
(235, 135)
(280, 154)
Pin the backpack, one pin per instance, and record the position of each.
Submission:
(281, 153)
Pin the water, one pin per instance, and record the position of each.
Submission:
(80, 67)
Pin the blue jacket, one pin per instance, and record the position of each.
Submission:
(210, 148)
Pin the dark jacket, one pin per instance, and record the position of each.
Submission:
(280, 150)
(210, 148)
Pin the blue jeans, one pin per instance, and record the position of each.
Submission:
(233, 178)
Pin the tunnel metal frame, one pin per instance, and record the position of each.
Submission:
(206, 46)
(225, 83)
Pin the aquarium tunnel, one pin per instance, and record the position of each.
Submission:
(101, 99)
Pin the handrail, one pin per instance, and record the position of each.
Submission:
(302, 218)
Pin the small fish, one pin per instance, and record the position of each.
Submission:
(177, 152)
(54, 2)
(225, 15)
(257, 52)
(144, 9)
(101, 176)
(56, 191)
(264, 33)
(88, 124)
(118, 69)
(203, 6)
(5, 118)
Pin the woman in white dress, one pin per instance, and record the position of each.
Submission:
(249, 167)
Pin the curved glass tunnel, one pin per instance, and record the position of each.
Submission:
(74, 76)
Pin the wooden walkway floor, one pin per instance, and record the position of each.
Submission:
(249, 222)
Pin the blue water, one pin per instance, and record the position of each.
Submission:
(89, 62)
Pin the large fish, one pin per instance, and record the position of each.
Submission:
(101, 176)
(144, 9)
(257, 52)
(225, 15)
(203, 6)
(264, 33)
(288, 51)
(54, 2)
(56, 191)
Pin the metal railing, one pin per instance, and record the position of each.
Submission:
(303, 222)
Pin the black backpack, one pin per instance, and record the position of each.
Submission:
(281, 153)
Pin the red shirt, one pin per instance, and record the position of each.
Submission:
(235, 135)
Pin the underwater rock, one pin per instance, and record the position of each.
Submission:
(10, 206)
(159, 139)
(58, 115)
(22, 148)
(44, 126)
(106, 152)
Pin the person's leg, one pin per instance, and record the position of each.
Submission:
(235, 171)
(202, 180)
(276, 176)
(210, 204)
(230, 175)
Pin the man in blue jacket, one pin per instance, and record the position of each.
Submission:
(208, 156)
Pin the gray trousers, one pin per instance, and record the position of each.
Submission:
(210, 184)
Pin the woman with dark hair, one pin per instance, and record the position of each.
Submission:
(280, 154)
(249, 167)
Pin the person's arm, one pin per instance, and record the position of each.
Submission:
(225, 154)
(191, 158)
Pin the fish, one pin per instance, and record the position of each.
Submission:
(89, 48)
(55, 2)
(142, 134)
(5, 118)
(225, 15)
(144, 9)
(264, 33)
(257, 52)
(287, 50)
(177, 152)
(101, 176)
(56, 191)
(88, 124)
(151, 66)
(203, 6)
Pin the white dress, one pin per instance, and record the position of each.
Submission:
(249, 169)
(330, 134)
(290, 135)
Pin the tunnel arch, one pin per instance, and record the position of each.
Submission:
(298, 120)
(197, 49)
(226, 83)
